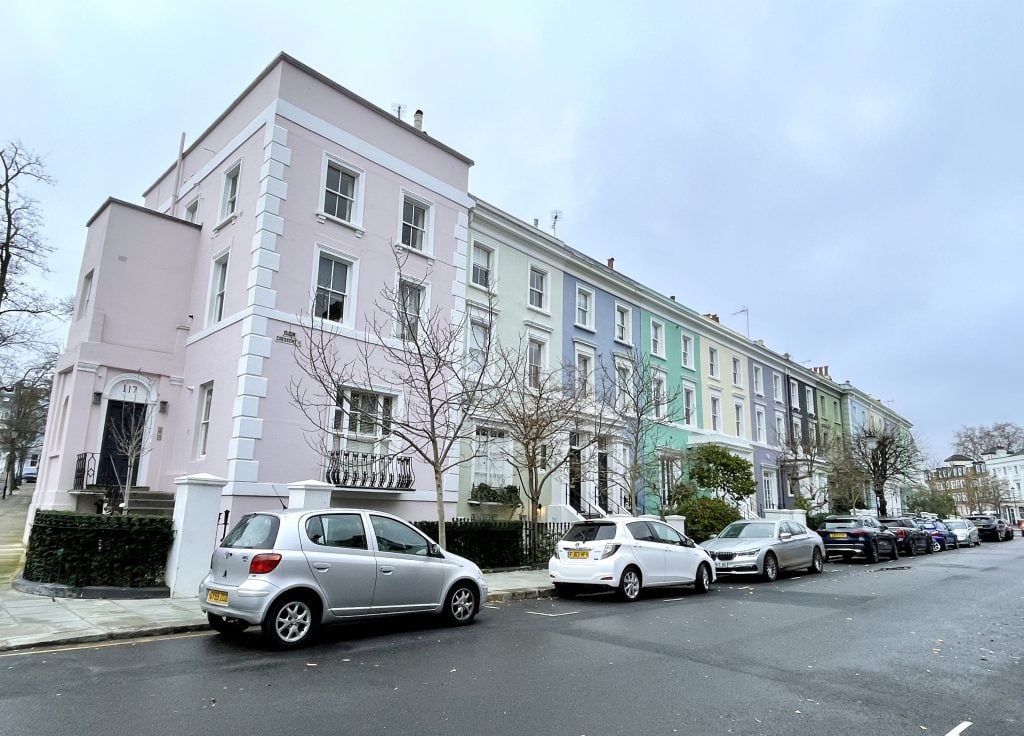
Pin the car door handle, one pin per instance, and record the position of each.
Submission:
(387, 569)
(321, 567)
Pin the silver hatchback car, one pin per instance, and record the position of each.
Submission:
(291, 571)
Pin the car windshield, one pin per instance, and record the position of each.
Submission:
(748, 530)
(589, 532)
(983, 519)
(956, 524)
(255, 531)
(842, 523)
(896, 522)
(927, 525)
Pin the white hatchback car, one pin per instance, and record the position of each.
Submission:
(627, 554)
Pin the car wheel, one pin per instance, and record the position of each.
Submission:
(817, 562)
(460, 605)
(935, 546)
(226, 626)
(703, 582)
(771, 568)
(630, 584)
(565, 590)
(912, 549)
(291, 622)
(894, 553)
(872, 552)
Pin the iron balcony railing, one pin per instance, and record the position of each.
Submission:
(85, 470)
(366, 470)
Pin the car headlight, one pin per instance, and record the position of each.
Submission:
(748, 553)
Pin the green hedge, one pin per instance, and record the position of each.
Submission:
(489, 544)
(91, 549)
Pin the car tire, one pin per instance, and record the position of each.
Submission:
(871, 553)
(770, 570)
(230, 627)
(935, 547)
(817, 562)
(894, 553)
(565, 590)
(912, 549)
(956, 544)
(291, 621)
(630, 585)
(703, 582)
(460, 606)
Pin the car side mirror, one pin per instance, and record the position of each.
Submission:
(885, 528)
(434, 550)
(713, 536)
(785, 535)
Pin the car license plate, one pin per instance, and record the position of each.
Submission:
(579, 554)
(838, 535)
(723, 565)
(217, 597)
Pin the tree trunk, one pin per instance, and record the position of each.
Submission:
(128, 485)
(439, 488)
(880, 498)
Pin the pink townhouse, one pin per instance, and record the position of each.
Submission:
(285, 212)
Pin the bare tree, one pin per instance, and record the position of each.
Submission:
(886, 454)
(539, 409)
(847, 480)
(635, 394)
(985, 493)
(802, 461)
(974, 441)
(25, 417)
(428, 358)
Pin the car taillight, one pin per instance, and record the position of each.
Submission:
(855, 534)
(608, 551)
(264, 563)
(900, 532)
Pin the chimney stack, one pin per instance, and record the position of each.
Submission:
(536, 222)
(673, 297)
(417, 120)
(712, 317)
(611, 263)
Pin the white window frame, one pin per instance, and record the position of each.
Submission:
(768, 484)
(760, 424)
(487, 466)
(796, 429)
(348, 307)
(474, 351)
(588, 379)
(657, 338)
(535, 371)
(737, 372)
(714, 362)
(689, 403)
(545, 298)
(794, 394)
(427, 248)
(739, 412)
(399, 322)
(491, 256)
(659, 398)
(588, 324)
(716, 412)
(809, 400)
(686, 344)
(218, 287)
(777, 389)
(626, 336)
(205, 411)
(349, 425)
(358, 190)
(780, 429)
(758, 381)
(622, 392)
(192, 212)
(229, 194)
(86, 297)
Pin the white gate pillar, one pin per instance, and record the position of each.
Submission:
(196, 505)
(310, 494)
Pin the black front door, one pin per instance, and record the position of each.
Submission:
(602, 479)
(575, 479)
(124, 428)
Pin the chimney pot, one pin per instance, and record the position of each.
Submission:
(673, 297)
(417, 120)
(611, 263)
(536, 222)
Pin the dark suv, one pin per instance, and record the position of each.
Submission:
(857, 534)
(991, 528)
(910, 538)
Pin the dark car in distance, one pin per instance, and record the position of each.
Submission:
(991, 528)
(910, 538)
(858, 534)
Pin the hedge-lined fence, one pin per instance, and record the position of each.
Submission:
(497, 544)
(76, 549)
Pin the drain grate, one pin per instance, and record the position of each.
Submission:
(901, 567)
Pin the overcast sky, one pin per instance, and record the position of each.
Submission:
(850, 172)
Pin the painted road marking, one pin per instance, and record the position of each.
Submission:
(960, 729)
(672, 600)
(105, 644)
(553, 615)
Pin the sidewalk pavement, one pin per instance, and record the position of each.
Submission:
(36, 621)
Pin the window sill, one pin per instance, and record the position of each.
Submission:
(415, 251)
(588, 328)
(659, 356)
(623, 342)
(482, 288)
(538, 310)
(323, 217)
(229, 220)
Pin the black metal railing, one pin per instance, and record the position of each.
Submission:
(366, 470)
(85, 470)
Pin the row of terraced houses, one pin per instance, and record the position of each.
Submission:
(189, 305)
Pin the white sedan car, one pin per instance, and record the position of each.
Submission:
(627, 554)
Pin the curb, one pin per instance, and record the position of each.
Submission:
(90, 592)
(521, 594)
(106, 636)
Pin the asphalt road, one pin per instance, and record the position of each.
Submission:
(861, 649)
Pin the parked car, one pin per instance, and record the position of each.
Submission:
(857, 534)
(910, 538)
(942, 537)
(627, 554)
(991, 527)
(29, 476)
(965, 531)
(291, 571)
(763, 547)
